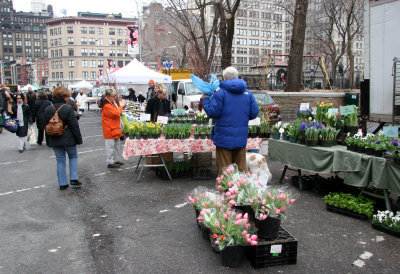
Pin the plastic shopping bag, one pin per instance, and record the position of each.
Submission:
(31, 136)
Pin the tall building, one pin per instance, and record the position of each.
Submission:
(37, 6)
(23, 39)
(80, 47)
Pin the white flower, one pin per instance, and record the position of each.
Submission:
(310, 118)
(281, 130)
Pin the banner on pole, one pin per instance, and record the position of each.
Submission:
(133, 39)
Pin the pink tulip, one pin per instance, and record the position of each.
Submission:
(217, 224)
(261, 216)
(217, 242)
(246, 216)
(219, 188)
(263, 201)
(227, 194)
(232, 202)
(265, 217)
(277, 211)
(222, 177)
(238, 184)
(269, 194)
(225, 217)
(254, 237)
(237, 222)
(218, 178)
(292, 201)
(218, 204)
(223, 226)
(250, 201)
(244, 233)
(254, 243)
(230, 184)
(200, 219)
(242, 180)
(283, 209)
(247, 173)
(287, 202)
(248, 240)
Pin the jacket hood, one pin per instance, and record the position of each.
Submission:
(104, 101)
(234, 85)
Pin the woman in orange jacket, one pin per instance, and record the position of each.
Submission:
(110, 120)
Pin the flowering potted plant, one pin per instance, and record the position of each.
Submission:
(301, 138)
(327, 136)
(231, 232)
(312, 134)
(275, 131)
(388, 222)
(285, 135)
(351, 121)
(270, 205)
(293, 129)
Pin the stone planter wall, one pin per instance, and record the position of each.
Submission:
(289, 101)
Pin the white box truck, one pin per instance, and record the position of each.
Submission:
(381, 60)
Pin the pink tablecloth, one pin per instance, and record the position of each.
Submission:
(155, 146)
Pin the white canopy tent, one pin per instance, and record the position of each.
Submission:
(135, 73)
(25, 88)
(82, 84)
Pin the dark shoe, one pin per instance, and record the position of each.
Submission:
(64, 187)
(119, 163)
(115, 165)
(24, 145)
(39, 144)
(21, 150)
(75, 183)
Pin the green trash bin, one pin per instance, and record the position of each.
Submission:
(352, 99)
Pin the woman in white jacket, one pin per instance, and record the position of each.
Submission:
(81, 100)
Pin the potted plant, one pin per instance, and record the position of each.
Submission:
(388, 222)
(312, 134)
(301, 138)
(276, 135)
(231, 233)
(380, 147)
(270, 206)
(253, 131)
(264, 126)
(293, 129)
(197, 131)
(355, 206)
(351, 122)
(285, 135)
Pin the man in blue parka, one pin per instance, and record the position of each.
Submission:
(232, 106)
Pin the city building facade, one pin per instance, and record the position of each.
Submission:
(23, 40)
(84, 48)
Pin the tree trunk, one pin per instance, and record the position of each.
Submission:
(297, 46)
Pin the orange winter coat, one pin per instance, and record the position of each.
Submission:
(110, 120)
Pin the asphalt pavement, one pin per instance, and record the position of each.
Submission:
(115, 225)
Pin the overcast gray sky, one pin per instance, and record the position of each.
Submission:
(126, 7)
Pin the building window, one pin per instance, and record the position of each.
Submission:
(91, 30)
(100, 42)
(83, 30)
(84, 63)
(70, 30)
(120, 52)
(112, 42)
(71, 75)
(84, 41)
(84, 52)
(100, 63)
(71, 63)
(100, 52)
(120, 32)
(92, 41)
(28, 43)
(120, 63)
(53, 75)
(70, 40)
(120, 42)
(70, 52)
(85, 74)
(92, 52)
(100, 31)
(92, 63)
(93, 75)
(112, 52)
(112, 31)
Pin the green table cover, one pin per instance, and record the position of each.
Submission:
(359, 169)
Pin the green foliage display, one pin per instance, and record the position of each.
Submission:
(358, 204)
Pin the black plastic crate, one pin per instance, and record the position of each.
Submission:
(307, 181)
(261, 256)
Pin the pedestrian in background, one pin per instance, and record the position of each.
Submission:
(141, 98)
(21, 112)
(150, 90)
(30, 99)
(110, 121)
(38, 115)
(158, 105)
(81, 100)
(131, 96)
(232, 106)
(66, 143)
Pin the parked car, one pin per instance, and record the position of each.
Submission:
(268, 104)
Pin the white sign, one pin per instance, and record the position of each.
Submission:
(304, 106)
(255, 122)
(162, 120)
(145, 117)
(276, 248)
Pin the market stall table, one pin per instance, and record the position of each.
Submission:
(154, 147)
(360, 170)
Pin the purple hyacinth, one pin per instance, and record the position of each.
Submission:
(303, 126)
(319, 125)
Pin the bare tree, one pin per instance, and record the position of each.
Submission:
(297, 47)
(225, 12)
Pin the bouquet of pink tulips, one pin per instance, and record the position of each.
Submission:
(272, 202)
(202, 197)
(228, 227)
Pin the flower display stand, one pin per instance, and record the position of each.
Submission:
(386, 230)
(281, 251)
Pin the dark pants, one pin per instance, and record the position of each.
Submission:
(225, 157)
(41, 134)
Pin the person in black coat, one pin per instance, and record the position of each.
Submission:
(131, 96)
(141, 98)
(66, 143)
(20, 111)
(158, 105)
(31, 98)
(38, 115)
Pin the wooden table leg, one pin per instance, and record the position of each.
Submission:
(283, 174)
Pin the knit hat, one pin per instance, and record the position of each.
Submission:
(151, 81)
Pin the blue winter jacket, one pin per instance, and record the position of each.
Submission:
(232, 106)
